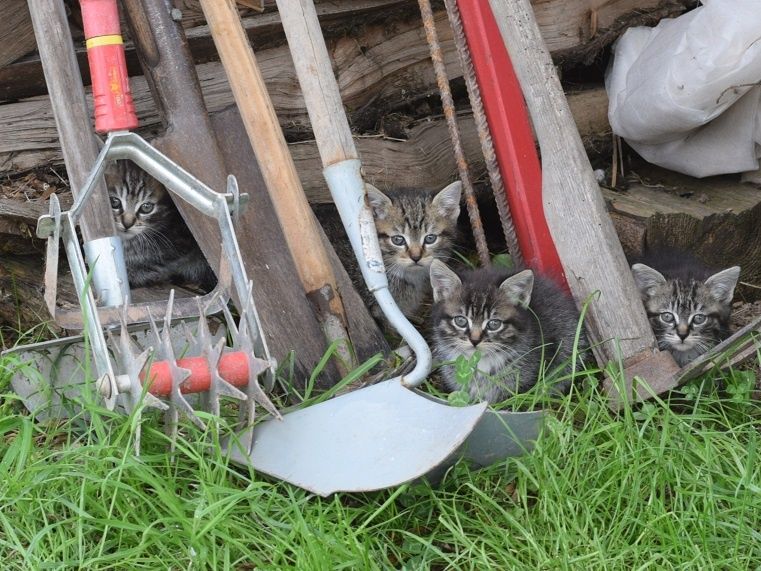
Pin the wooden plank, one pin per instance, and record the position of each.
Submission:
(16, 32)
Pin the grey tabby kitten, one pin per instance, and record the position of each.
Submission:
(517, 321)
(158, 246)
(688, 307)
(414, 228)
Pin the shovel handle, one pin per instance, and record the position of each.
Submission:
(114, 109)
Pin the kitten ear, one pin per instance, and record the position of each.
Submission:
(647, 279)
(722, 285)
(443, 281)
(518, 288)
(379, 202)
(447, 202)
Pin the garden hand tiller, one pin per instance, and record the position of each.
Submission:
(172, 360)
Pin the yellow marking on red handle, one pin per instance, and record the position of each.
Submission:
(110, 40)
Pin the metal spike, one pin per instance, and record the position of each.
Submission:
(219, 387)
(243, 341)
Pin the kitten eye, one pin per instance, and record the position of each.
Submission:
(115, 203)
(667, 317)
(494, 324)
(147, 207)
(430, 238)
(698, 318)
(460, 321)
(398, 240)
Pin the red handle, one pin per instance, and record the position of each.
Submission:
(511, 133)
(114, 109)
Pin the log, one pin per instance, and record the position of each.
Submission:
(24, 78)
(715, 218)
(28, 137)
(576, 31)
(424, 160)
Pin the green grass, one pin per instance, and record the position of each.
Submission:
(666, 486)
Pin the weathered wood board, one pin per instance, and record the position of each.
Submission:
(16, 34)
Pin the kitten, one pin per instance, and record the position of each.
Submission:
(414, 228)
(515, 320)
(688, 305)
(158, 246)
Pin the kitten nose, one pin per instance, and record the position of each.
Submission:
(683, 331)
(475, 337)
(128, 220)
(416, 254)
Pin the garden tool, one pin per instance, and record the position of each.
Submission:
(169, 361)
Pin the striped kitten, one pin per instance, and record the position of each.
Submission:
(414, 228)
(158, 246)
(688, 305)
(517, 321)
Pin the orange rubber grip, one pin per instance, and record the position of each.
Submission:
(233, 368)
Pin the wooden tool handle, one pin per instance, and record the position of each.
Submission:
(278, 169)
(584, 236)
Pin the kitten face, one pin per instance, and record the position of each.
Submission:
(489, 320)
(414, 229)
(139, 202)
(688, 317)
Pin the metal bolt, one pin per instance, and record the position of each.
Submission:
(176, 14)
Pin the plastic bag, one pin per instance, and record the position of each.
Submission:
(685, 94)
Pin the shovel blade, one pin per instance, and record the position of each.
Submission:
(370, 439)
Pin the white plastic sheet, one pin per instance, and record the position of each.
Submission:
(685, 94)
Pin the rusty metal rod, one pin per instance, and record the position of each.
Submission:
(454, 133)
(484, 135)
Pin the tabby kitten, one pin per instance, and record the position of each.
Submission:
(158, 246)
(688, 306)
(414, 228)
(516, 321)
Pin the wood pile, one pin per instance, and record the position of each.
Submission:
(383, 67)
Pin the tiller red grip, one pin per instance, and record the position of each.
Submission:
(232, 367)
(114, 109)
